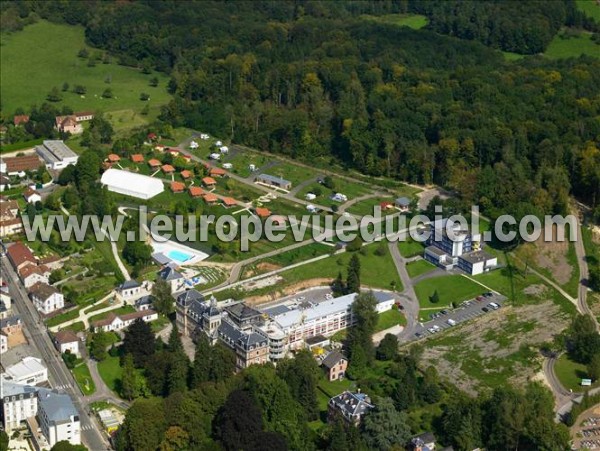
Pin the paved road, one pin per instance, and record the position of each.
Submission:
(583, 307)
(102, 393)
(58, 373)
(409, 299)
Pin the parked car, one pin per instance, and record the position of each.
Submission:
(480, 298)
(485, 309)
(418, 335)
(451, 322)
(488, 294)
(444, 312)
(494, 305)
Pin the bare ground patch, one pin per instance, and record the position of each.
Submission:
(500, 348)
(260, 268)
(552, 256)
(287, 290)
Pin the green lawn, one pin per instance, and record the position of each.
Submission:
(287, 258)
(590, 8)
(389, 319)
(340, 185)
(414, 21)
(452, 288)
(289, 171)
(63, 317)
(44, 55)
(367, 206)
(511, 56)
(110, 372)
(419, 267)
(82, 375)
(410, 248)
(563, 46)
(570, 373)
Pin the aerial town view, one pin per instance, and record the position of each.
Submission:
(271, 225)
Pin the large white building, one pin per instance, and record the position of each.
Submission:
(58, 417)
(131, 184)
(19, 402)
(30, 371)
(56, 154)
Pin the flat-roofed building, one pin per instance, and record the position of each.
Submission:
(271, 180)
(30, 371)
(56, 154)
(131, 184)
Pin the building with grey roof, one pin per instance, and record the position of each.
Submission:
(19, 402)
(58, 417)
(352, 407)
(244, 316)
(271, 180)
(56, 154)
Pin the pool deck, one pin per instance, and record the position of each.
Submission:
(162, 246)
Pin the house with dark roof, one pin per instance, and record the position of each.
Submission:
(351, 407)
(66, 341)
(270, 180)
(175, 280)
(144, 303)
(46, 298)
(58, 417)
(243, 316)
(402, 203)
(335, 365)
(129, 289)
(423, 442)
(117, 322)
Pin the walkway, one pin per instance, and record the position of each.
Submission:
(408, 295)
(102, 393)
(583, 307)
(84, 313)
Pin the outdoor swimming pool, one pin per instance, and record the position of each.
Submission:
(178, 256)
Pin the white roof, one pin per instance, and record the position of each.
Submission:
(26, 367)
(297, 316)
(132, 184)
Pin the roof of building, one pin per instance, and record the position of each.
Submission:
(20, 119)
(273, 179)
(24, 163)
(66, 121)
(228, 332)
(106, 321)
(128, 284)
(53, 150)
(8, 388)
(196, 191)
(168, 168)
(332, 359)
(28, 270)
(242, 311)
(217, 171)
(277, 310)
(58, 406)
(316, 339)
(136, 184)
(137, 158)
(425, 437)
(252, 340)
(186, 174)
(10, 321)
(210, 197)
(154, 162)
(136, 315)
(19, 253)
(29, 192)
(403, 201)
(79, 114)
(65, 336)
(229, 201)
(190, 296)
(25, 368)
(209, 181)
(144, 300)
(168, 273)
(42, 290)
(177, 187)
(262, 212)
(352, 404)
(297, 315)
(477, 256)
(113, 157)
(436, 250)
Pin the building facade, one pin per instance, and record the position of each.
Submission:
(58, 418)
(46, 298)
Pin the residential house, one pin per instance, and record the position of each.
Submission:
(195, 191)
(209, 182)
(58, 417)
(11, 325)
(30, 371)
(32, 274)
(113, 158)
(186, 174)
(68, 124)
(402, 203)
(217, 172)
(46, 298)
(335, 365)
(270, 180)
(129, 289)
(168, 169)
(31, 196)
(210, 198)
(20, 255)
(66, 341)
(351, 407)
(262, 212)
(154, 163)
(10, 222)
(423, 442)
(118, 322)
(144, 303)
(56, 154)
(177, 187)
(137, 158)
(175, 280)
(228, 202)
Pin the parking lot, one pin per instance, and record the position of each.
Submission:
(467, 310)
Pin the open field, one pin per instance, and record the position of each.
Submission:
(389, 319)
(84, 379)
(570, 373)
(564, 46)
(44, 55)
(451, 288)
(414, 21)
(340, 185)
(111, 372)
(419, 267)
(410, 248)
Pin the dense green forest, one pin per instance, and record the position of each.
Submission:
(313, 80)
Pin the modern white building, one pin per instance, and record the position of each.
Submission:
(46, 298)
(58, 417)
(131, 184)
(19, 402)
(56, 154)
(29, 371)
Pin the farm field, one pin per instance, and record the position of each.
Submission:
(52, 60)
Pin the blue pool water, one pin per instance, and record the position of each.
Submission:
(178, 256)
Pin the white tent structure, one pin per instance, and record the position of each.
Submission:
(131, 184)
